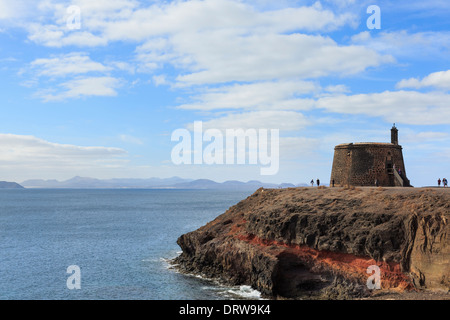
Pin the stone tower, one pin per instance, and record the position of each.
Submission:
(370, 164)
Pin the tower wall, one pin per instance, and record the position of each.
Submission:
(360, 164)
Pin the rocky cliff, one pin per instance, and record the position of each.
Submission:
(319, 242)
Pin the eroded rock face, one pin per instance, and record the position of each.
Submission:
(305, 242)
(429, 261)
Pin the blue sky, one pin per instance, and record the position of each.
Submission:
(102, 100)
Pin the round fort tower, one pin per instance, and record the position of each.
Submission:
(370, 164)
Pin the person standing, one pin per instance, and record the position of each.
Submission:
(444, 182)
(318, 182)
(312, 182)
(439, 182)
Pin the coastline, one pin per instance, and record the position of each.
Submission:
(228, 290)
(316, 243)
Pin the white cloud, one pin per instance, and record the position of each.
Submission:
(282, 120)
(199, 16)
(216, 59)
(275, 95)
(439, 80)
(6, 9)
(105, 21)
(48, 24)
(32, 151)
(56, 36)
(160, 80)
(408, 107)
(297, 148)
(428, 136)
(341, 3)
(67, 64)
(10, 11)
(130, 139)
(23, 157)
(424, 8)
(214, 40)
(206, 42)
(104, 9)
(73, 75)
(123, 66)
(406, 44)
(339, 88)
(84, 87)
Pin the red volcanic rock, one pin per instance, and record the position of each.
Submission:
(319, 242)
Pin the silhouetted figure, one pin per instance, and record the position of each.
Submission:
(312, 182)
(318, 182)
(444, 182)
(332, 183)
(439, 182)
(376, 182)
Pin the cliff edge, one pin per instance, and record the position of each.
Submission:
(317, 243)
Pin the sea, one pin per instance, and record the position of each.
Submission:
(108, 244)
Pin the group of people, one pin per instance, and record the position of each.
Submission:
(444, 182)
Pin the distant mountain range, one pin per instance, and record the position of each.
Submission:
(151, 183)
(10, 185)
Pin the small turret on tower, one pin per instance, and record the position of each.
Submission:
(394, 135)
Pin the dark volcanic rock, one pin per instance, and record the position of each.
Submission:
(318, 243)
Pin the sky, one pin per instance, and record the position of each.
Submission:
(98, 88)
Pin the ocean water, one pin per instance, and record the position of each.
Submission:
(122, 241)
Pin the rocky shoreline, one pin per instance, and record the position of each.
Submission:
(317, 243)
